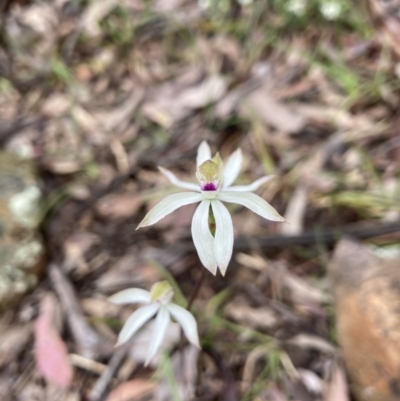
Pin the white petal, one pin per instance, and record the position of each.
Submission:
(202, 238)
(252, 201)
(177, 182)
(157, 337)
(232, 167)
(203, 153)
(251, 187)
(168, 205)
(130, 295)
(136, 321)
(223, 243)
(187, 322)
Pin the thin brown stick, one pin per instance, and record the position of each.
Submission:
(104, 380)
(197, 288)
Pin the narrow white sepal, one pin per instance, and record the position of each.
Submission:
(251, 187)
(168, 205)
(160, 328)
(203, 153)
(136, 321)
(202, 237)
(223, 244)
(252, 201)
(177, 182)
(130, 295)
(232, 167)
(187, 322)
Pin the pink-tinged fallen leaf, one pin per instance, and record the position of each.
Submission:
(51, 353)
(131, 390)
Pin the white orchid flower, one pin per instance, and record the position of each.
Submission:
(159, 303)
(215, 187)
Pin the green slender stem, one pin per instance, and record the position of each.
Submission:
(211, 222)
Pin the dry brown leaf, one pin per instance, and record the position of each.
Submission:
(93, 14)
(295, 288)
(132, 389)
(170, 104)
(59, 165)
(51, 353)
(312, 342)
(208, 91)
(295, 211)
(366, 289)
(310, 177)
(6, 382)
(342, 119)
(129, 270)
(272, 112)
(118, 206)
(167, 5)
(111, 119)
(303, 292)
(86, 338)
(252, 317)
(12, 341)
(385, 15)
(56, 105)
(40, 17)
(75, 247)
(89, 125)
(54, 392)
(100, 307)
(32, 392)
(260, 72)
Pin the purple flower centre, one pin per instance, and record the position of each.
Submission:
(210, 186)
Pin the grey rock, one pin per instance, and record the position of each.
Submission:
(22, 252)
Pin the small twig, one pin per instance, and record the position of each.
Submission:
(104, 380)
(323, 236)
(87, 364)
(197, 288)
(23, 379)
(87, 339)
(8, 129)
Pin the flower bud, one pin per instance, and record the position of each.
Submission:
(161, 292)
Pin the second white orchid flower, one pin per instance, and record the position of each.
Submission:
(215, 187)
(159, 303)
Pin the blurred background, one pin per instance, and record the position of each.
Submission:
(94, 95)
